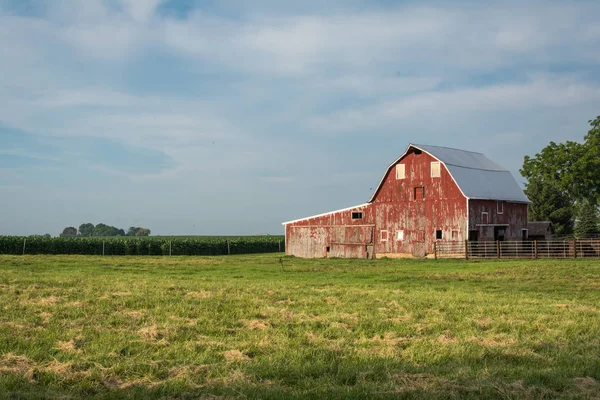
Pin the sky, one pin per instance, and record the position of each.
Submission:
(224, 117)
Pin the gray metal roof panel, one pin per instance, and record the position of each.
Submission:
(461, 158)
(485, 184)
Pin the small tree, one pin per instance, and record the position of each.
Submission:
(69, 231)
(587, 223)
(143, 232)
(86, 229)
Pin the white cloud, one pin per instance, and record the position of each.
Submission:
(311, 96)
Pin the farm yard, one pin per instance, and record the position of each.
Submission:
(269, 326)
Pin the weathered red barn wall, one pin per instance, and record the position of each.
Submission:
(514, 214)
(344, 236)
(444, 208)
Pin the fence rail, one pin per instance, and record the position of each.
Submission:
(530, 249)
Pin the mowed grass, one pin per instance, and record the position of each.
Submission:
(250, 327)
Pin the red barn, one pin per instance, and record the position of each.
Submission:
(429, 194)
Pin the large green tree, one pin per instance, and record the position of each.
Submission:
(550, 203)
(562, 177)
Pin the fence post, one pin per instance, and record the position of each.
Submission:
(535, 254)
(498, 249)
(575, 248)
(228, 248)
(435, 250)
(466, 249)
(170, 249)
(24, 243)
(103, 247)
(279, 244)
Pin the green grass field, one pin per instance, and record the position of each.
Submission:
(248, 327)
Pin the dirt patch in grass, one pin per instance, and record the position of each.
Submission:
(446, 339)
(121, 294)
(256, 324)
(71, 346)
(45, 316)
(45, 302)
(150, 333)
(331, 300)
(351, 317)
(422, 382)
(202, 294)
(341, 325)
(235, 356)
(17, 365)
(136, 315)
(587, 387)
(493, 341)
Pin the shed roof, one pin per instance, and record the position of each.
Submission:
(477, 176)
(539, 228)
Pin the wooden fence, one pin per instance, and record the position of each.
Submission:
(530, 249)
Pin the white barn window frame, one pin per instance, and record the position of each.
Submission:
(384, 235)
(485, 218)
(500, 207)
(400, 171)
(436, 169)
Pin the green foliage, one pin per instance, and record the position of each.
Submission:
(103, 230)
(241, 327)
(587, 222)
(138, 231)
(142, 246)
(549, 203)
(86, 230)
(568, 173)
(69, 232)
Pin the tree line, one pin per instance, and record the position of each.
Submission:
(102, 230)
(563, 184)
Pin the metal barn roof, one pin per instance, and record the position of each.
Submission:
(477, 176)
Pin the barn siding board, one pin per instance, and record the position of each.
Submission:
(398, 205)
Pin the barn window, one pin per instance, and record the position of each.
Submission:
(357, 215)
(525, 234)
(485, 218)
(400, 171)
(400, 235)
(500, 207)
(418, 152)
(438, 235)
(435, 169)
(384, 235)
(419, 193)
(454, 235)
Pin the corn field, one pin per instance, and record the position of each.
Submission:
(130, 246)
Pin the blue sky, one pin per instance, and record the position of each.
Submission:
(229, 117)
